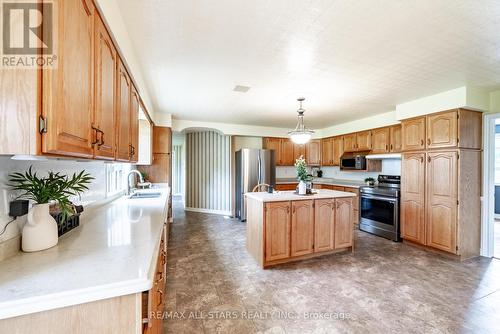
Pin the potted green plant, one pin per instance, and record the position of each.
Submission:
(370, 181)
(302, 175)
(40, 230)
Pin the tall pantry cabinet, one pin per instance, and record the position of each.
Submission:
(440, 185)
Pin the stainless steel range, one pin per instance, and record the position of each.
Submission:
(379, 207)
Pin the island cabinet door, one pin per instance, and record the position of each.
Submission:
(302, 235)
(343, 222)
(277, 231)
(324, 225)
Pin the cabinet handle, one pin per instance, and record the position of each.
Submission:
(161, 297)
(391, 147)
(428, 141)
(386, 147)
(421, 142)
(287, 209)
(421, 159)
(96, 132)
(428, 159)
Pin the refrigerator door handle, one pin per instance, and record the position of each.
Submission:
(260, 169)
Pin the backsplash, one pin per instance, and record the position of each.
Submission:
(389, 167)
(109, 180)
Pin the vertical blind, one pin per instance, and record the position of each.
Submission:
(208, 171)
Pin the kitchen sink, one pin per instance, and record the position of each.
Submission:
(145, 195)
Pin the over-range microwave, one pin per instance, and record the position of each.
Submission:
(353, 162)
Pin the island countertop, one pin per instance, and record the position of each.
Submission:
(282, 196)
(113, 253)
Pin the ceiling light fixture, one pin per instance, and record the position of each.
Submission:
(301, 134)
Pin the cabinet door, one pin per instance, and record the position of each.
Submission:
(343, 223)
(313, 152)
(287, 154)
(274, 144)
(413, 197)
(302, 236)
(413, 134)
(277, 231)
(350, 142)
(324, 225)
(338, 150)
(327, 152)
(380, 140)
(442, 130)
(355, 204)
(105, 99)
(299, 150)
(286, 186)
(364, 141)
(123, 114)
(395, 138)
(442, 200)
(162, 139)
(68, 90)
(134, 125)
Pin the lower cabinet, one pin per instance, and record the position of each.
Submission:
(286, 186)
(277, 233)
(343, 222)
(324, 225)
(297, 229)
(302, 234)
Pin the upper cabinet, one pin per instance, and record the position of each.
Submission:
(68, 90)
(458, 128)
(396, 140)
(364, 141)
(327, 151)
(83, 107)
(162, 140)
(338, 149)
(350, 142)
(381, 140)
(105, 93)
(275, 145)
(413, 134)
(313, 152)
(134, 124)
(287, 152)
(123, 114)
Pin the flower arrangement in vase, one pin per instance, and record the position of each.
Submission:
(302, 175)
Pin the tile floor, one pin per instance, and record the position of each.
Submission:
(214, 286)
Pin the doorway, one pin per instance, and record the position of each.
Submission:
(490, 232)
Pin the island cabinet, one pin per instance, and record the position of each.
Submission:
(286, 227)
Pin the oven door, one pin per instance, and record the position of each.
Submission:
(380, 215)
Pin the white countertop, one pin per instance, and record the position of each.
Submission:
(112, 253)
(281, 196)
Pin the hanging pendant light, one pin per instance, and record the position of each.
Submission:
(301, 134)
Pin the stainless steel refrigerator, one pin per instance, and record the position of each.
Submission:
(253, 166)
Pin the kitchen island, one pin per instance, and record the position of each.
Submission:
(284, 227)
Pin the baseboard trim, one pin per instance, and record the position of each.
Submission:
(215, 212)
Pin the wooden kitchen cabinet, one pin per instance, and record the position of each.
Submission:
(327, 151)
(105, 93)
(338, 150)
(343, 223)
(364, 141)
(395, 139)
(442, 178)
(381, 140)
(287, 152)
(299, 150)
(68, 89)
(162, 139)
(134, 125)
(286, 186)
(324, 225)
(413, 197)
(413, 134)
(355, 204)
(123, 114)
(349, 142)
(274, 144)
(302, 228)
(277, 227)
(313, 152)
(442, 130)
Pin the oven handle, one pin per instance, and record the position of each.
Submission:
(387, 199)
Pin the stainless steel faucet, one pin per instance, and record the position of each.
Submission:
(133, 171)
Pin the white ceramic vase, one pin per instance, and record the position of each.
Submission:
(302, 188)
(40, 230)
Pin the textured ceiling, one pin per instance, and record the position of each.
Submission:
(350, 59)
